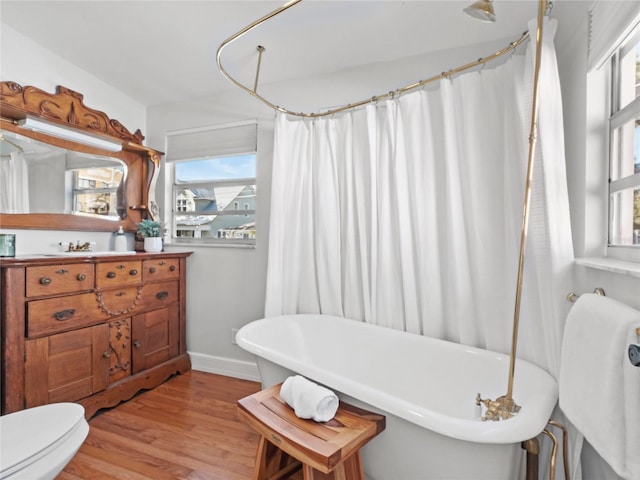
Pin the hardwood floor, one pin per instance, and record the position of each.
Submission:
(186, 428)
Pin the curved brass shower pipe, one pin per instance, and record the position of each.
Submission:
(512, 46)
(504, 406)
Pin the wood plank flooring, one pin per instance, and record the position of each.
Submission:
(186, 428)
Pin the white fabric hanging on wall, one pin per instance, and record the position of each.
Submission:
(407, 213)
(14, 184)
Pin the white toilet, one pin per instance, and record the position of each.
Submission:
(37, 443)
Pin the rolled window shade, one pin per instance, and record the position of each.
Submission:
(216, 141)
(610, 23)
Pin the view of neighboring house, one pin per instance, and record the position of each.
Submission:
(217, 212)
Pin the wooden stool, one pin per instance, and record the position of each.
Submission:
(327, 451)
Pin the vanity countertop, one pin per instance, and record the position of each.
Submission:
(81, 257)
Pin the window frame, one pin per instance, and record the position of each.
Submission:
(619, 117)
(172, 187)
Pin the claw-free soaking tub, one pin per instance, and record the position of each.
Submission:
(426, 387)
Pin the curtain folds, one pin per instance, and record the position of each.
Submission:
(14, 184)
(407, 213)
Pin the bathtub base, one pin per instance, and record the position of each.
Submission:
(405, 451)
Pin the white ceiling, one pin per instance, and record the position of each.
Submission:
(164, 51)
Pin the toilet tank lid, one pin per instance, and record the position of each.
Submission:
(28, 433)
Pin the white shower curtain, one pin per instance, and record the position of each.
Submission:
(14, 184)
(407, 213)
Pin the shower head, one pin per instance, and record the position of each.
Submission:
(482, 10)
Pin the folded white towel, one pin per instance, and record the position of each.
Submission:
(308, 399)
(599, 388)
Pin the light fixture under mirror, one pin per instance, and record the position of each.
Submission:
(68, 134)
(37, 177)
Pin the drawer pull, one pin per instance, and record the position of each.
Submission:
(133, 272)
(152, 270)
(106, 354)
(172, 268)
(81, 277)
(111, 275)
(63, 315)
(162, 295)
(45, 281)
(62, 271)
(137, 344)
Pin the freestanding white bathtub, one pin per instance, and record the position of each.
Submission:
(426, 387)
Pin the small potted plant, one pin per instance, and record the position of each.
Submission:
(152, 233)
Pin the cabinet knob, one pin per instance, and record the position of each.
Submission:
(133, 272)
(111, 274)
(64, 314)
(137, 344)
(162, 295)
(45, 281)
(81, 277)
(106, 354)
(172, 268)
(152, 270)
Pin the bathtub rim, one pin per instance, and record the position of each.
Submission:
(530, 422)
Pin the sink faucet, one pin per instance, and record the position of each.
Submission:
(78, 247)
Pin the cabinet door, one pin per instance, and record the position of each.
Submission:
(67, 366)
(155, 337)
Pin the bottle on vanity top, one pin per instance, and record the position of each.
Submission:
(120, 242)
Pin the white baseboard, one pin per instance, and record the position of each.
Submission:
(225, 366)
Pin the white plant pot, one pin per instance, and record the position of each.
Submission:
(153, 244)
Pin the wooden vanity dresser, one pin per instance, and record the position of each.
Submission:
(91, 330)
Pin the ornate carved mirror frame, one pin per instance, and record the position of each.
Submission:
(66, 109)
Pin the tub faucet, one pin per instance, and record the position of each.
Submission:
(499, 409)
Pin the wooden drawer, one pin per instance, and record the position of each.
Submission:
(120, 301)
(54, 315)
(158, 295)
(116, 274)
(160, 269)
(56, 279)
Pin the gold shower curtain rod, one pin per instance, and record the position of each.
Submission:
(512, 46)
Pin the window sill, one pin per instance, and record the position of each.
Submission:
(210, 245)
(611, 265)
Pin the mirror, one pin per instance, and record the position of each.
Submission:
(84, 172)
(37, 177)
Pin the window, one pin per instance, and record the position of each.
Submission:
(95, 190)
(211, 172)
(624, 145)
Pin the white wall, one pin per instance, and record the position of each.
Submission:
(28, 63)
